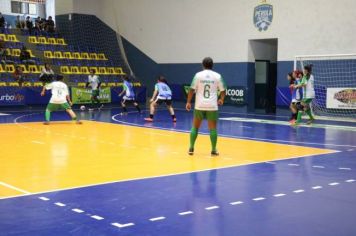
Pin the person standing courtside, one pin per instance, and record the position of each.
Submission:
(206, 85)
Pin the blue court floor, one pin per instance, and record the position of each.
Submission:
(311, 195)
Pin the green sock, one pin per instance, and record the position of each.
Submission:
(309, 114)
(213, 139)
(193, 136)
(299, 118)
(48, 115)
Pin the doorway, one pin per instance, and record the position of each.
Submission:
(263, 53)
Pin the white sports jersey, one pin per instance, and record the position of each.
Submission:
(94, 81)
(207, 85)
(308, 91)
(59, 92)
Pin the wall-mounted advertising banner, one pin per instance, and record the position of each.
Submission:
(83, 95)
(235, 95)
(341, 98)
(10, 96)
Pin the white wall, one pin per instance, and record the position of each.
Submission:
(64, 6)
(184, 31)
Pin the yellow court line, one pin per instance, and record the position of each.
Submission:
(64, 155)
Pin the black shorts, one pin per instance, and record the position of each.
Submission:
(168, 102)
(128, 101)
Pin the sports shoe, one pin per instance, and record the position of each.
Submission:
(191, 151)
(78, 122)
(214, 153)
(46, 123)
(174, 119)
(292, 121)
(101, 106)
(309, 122)
(149, 119)
(91, 109)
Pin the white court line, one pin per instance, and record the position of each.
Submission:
(350, 181)
(291, 164)
(158, 218)
(77, 210)
(334, 183)
(4, 114)
(37, 142)
(44, 198)
(270, 162)
(236, 203)
(97, 217)
(14, 188)
(344, 168)
(185, 213)
(298, 191)
(319, 167)
(122, 225)
(291, 143)
(317, 187)
(279, 195)
(211, 208)
(60, 204)
(258, 198)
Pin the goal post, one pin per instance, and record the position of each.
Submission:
(334, 84)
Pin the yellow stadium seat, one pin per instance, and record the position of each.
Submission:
(74, 70)
(81, 84)
(61, 41)
(48, 54)
(24, 69)
(27, 84)
(3, 37)
(42, 40)
(2, 84)
(101, 56)
(58, 54)
(103, 85)
(84, 70)
(65, 70)
(41, 67)
(85, 56)
(111, 84)
(76, 55)
(68, 55)
(9, 68)
(8, 52)
(32, 39)
(119, 71)
(2, 70)
(52, 41)
(102, 71)
(93, 56)
(30, 52)
(37, 84)
(15, 52)
(12, 38)
(110, 70)
(14, 84)
(93, 68)
(33, 69)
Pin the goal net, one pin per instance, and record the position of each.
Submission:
(334, 84)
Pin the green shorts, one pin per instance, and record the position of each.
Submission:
(95, 93)
(57, 107)
(209, 115)
(307, 100)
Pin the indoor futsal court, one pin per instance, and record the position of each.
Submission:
(177, 118)
(116, 175)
